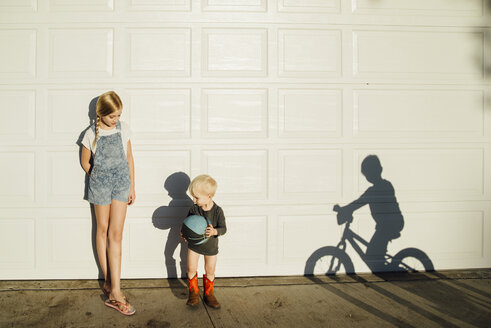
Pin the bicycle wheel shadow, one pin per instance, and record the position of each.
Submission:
(170, 218)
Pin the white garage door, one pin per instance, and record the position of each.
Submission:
(279, 100)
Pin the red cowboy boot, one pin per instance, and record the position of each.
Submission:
(193, 297)
(209, 294)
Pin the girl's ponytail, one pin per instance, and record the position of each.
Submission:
(96, 131)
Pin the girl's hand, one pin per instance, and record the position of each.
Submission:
(183, 237)
(132, 196)
(210, 231)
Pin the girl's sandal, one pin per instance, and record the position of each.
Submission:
(123, 308)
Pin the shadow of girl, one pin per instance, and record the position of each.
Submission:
(92, 118)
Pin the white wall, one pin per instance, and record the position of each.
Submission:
(280, 100)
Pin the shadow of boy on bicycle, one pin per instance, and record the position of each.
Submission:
(384, 208)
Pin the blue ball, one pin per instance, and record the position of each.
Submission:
(193, 229)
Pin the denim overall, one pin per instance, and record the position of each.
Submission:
(110, 176)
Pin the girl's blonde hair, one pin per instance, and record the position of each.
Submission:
(108, 103)
(204, 183)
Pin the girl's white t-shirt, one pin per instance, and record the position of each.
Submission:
(89, 136)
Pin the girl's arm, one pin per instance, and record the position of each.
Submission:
(85, 159)
(131, 166)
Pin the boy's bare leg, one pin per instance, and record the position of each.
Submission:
(193, 259)
(209, 282)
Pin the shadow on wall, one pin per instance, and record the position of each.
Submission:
(92, 117)
(170, 218)
(330, 260)
(381, 199)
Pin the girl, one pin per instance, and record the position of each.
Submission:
(202, 189)
(111, 190)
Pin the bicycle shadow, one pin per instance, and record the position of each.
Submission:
(170, 218)
(380, 198)
(389, 223)
(92, 115)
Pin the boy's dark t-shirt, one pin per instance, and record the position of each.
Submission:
(384, 207)
(217, 219)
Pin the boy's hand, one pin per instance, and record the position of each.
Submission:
(210, 231)
(344, 214)
(183, 237)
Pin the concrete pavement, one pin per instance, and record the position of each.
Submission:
(436, 299)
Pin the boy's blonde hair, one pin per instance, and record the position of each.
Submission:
(204, 183)
(108, 103)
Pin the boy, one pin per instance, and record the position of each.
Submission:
(202, 189)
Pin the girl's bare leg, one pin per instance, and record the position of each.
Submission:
(102, 217)
(115, 237)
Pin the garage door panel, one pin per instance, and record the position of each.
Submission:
(159, 51)
(234, 52)
(160, 114)
(310, 113)
(81, 52)
(238, 113)
(153, 168)
(17, 106)
(418, 55)
(16, 6)
(419, 113)
(242, 174)
(17, 174)
(253, 247)
(80, 5)
(234, 5)
(310, 6)
(309, 53)
(18, 60)
(419, 7)
(69, 242)
(23, 255)
(310, 174)
(158, 5)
